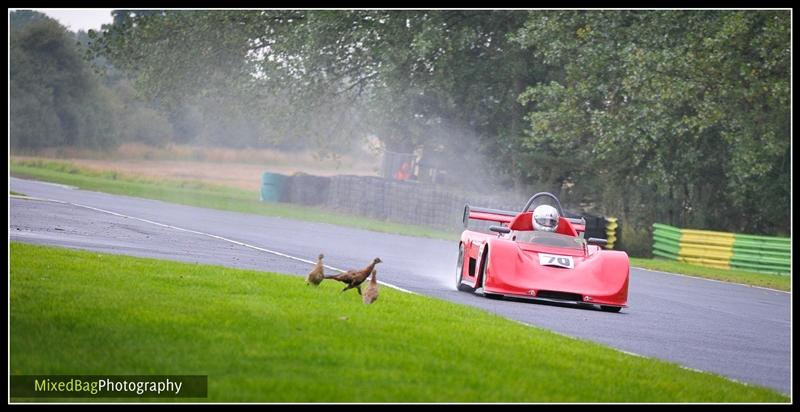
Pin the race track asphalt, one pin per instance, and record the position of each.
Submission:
(737, 331)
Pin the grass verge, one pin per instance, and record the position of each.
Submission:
(263, 337)
(779, 282)
(201, 194)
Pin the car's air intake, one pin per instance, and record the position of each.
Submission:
(549, 294)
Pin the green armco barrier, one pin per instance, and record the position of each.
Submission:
(673, 256)
(666, 246)
(272, 187)
(665, 231)
(666, 228)
(763, 254)
(666, 241)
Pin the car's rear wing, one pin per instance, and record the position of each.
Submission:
(506, 216)
(483, 213)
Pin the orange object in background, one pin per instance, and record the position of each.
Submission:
(404, 172)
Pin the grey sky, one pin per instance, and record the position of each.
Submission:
(80, 19)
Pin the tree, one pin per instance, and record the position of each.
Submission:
(430, 80)
(691, 106)
(671, 116)
(54, 98)
(20, 18)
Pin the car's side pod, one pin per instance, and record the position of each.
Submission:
(597, 241)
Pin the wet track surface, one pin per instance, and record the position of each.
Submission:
(736, 331)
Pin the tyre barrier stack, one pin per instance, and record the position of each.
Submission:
(595, 225)
(273, 187)
(407, 202)
(305, 189)
(763, 254)
(611, 232)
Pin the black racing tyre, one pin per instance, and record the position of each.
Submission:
(460, 270)
(481, 274)
(610, 308)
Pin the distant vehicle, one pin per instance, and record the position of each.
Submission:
(553, 264)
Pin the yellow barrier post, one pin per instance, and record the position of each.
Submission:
(611, 232)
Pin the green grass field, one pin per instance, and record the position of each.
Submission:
(779, 282)
(239, 200)
(264, 337)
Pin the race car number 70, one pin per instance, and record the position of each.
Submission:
(556, 260)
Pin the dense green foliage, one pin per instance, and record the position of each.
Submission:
(264, 337)
(680, 117)
(54, 97)
(20, 18)
(688, 110)
(616, 110)
(59, 98)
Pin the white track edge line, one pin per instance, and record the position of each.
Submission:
(711, 280)
(203, 234)
(340, 270)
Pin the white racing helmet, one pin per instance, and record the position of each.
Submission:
(545, 218)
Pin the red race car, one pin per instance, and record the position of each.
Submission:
(539, 253)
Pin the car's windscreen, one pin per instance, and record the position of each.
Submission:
(550, 239)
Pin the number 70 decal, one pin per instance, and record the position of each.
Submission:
(556, 260)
